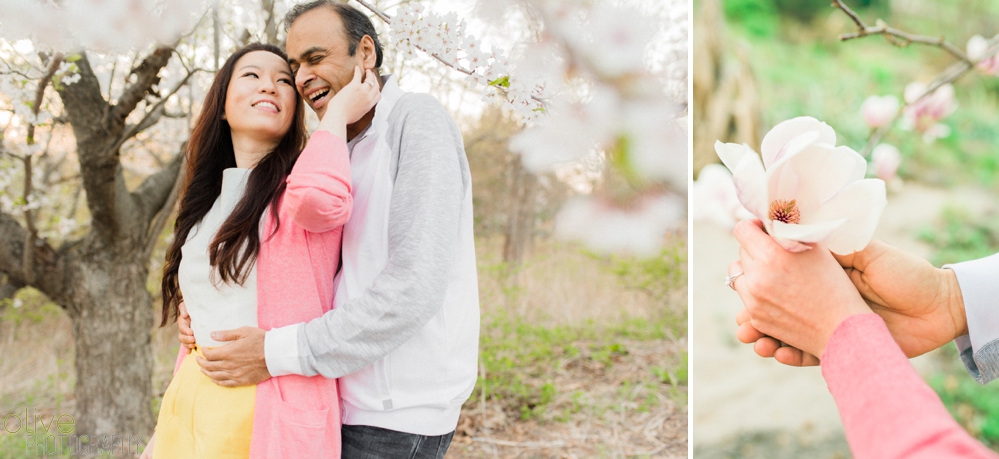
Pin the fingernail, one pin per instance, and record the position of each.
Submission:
(215, 335)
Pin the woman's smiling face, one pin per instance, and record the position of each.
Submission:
(261, 99)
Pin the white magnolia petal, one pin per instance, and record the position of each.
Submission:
(807, 232)
(747, 174)
(861, 204)
(814, 175)
(781, 134)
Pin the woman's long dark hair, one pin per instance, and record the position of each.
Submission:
(237, 242)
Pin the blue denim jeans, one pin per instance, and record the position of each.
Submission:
(366, 442)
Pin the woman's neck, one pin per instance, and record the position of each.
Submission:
(249, 151)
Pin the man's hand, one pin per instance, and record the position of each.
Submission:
(238, 363)
(799, 298)
(922, 305)
(185, 334)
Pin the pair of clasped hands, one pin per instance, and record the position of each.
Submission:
(794, 301)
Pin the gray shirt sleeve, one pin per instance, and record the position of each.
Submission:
(431, 177)
(979, 282)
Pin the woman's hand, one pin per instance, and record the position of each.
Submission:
(921, 305)
(148, 452)
(185, 334)
(351, 103)
(798, 298)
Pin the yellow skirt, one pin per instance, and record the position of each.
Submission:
(202, 420)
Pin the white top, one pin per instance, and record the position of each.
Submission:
(213, 304)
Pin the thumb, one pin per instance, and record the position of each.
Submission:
(357, 75)
(226, 335)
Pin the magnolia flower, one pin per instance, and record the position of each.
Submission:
(885, 160)
(806, 189)
(715, 199)
(878, 110)
(977, 48)
(923, 115)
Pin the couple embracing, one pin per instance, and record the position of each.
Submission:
(325, 285)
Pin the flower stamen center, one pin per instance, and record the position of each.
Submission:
(785, 211)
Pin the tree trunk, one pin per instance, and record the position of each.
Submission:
(111, 314)
(522, 209)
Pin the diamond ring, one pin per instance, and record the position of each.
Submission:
(730, 280)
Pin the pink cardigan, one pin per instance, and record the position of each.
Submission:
(888, 411)
(297, 416)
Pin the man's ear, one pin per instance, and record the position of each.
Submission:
(366, 47)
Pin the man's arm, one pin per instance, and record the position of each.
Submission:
(424, 217)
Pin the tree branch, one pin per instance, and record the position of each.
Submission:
(900, 38)
(147, 75)
(29, 217)
(152, 116)
(44, 259)
(895, 36)
(166, 208)
(155, 189)
(103, 180)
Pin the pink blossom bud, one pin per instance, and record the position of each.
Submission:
(879, 110)
(886, 158)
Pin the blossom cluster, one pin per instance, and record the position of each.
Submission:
(100, 25)
(584, 89)
(446, 37)
(977, 49)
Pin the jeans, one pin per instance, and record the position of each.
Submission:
(366, 442)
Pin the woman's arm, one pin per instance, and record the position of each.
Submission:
(318, 194)
(888, 411)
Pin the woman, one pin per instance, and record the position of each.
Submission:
(236, 256)
(807, 301)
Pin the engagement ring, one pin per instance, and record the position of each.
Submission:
(730, 280)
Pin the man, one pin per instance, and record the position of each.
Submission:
(403, 334)
(924, 307)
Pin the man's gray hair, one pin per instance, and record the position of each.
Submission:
(355, 23)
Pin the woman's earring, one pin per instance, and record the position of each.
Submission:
(223, 116)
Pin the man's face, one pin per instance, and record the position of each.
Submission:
(318, 52)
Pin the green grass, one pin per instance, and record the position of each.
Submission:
(520, 359)
(960, 235)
